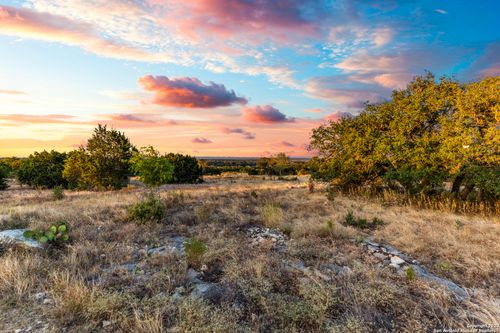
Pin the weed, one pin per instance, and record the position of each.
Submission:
(272, 215)
(194, 249)
(150, 209)
(253, 194)
(58, 193)
(361, 223)
(410, 274)
(459, 224)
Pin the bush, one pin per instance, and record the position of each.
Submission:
(102, 164)
(429, 132)
(272, 215)
(150, 209)
(186, 168)
(4, 172)
(361, 223)
(56, 234)
(58, 193)
(152, 168)
(43, 169)
(194, 249)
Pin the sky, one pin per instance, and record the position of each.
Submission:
(222, 77)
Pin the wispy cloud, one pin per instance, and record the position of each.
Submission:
(201, 140)
(246, 134)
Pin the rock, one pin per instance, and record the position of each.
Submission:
(460, 293)
(372, 248)
(193, 276)
(397, 260)
(259, 234)
(213, 292)
(322, 276)
(173, 245)
(16, 236)
(106, 323)
(372, 243)
(379, 255)
(336, 269)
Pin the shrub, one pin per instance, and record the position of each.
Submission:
(194, 249)
(410, 274)
(43, 169)
(4, 172)
(102, 164)
(58, 193)
(272, 215)
(56, 234)
(429, 132)
(186, 168)
(150, 209)
(152, 168)
(361, 223)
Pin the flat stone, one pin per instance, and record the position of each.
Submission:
(372, 248)
(460, 293)
(379, 255)
(213, 292)
(193, 276)
(372, 243)
(397, 260)
(16, 236)
(336, 269)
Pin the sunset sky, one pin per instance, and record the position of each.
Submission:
(221, 77)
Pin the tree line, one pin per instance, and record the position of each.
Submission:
(105, 162)
(431, 132)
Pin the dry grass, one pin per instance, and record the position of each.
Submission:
(89, 286)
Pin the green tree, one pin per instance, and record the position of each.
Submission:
(4, 173)
(43, 169)
(186, 168)
(103, 163)
(152, 168)
(431, 131)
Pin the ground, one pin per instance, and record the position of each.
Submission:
(307, 273)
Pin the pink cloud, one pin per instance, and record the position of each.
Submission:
(265, 114)
(11, 92)
(189, 92)
(281, 21)
(247, 135)
(27, 23)
(336, 116)
(201, 140)
(313, 110)
(287, 144)
(343, 91)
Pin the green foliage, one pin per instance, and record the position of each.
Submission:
(186, 168)
(361, 223)
(56, 234)
(150, 209)
(58, 193)
(194, 249)
(429, 132)
(152, 168)
(254, 194)
(102, 164)
(43, 169)
(278, 165)
(4, 173)
(410, 274)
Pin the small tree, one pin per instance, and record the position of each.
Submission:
(152, 168)
(4, 172)
(186, 168)
(103, 163)
(43, 169)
